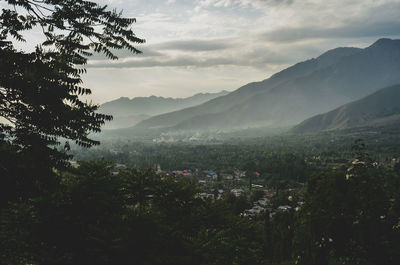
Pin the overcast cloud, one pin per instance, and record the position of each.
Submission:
(210, 45)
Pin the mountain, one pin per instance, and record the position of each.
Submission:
(124, 121)
(127, 112)
(378, 109)
(308, 88)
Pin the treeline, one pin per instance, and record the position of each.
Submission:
(222, 158)
(330, 147)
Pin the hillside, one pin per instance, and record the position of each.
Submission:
(378, 109)
(128, 112)
(308, 88)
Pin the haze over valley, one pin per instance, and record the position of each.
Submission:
(301, 91)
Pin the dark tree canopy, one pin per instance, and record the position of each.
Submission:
(39, 90)
(41, 87)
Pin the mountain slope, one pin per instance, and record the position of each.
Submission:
(379, 108)
(292, 95)
(127, 112)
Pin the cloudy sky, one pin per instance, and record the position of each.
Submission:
(209, 45)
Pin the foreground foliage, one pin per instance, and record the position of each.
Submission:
(41, 86)
(140, 217)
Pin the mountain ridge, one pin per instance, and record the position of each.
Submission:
(336, 77)
(127, 112)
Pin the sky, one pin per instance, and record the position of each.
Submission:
(212, 45)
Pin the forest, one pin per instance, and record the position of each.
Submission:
(90, 216)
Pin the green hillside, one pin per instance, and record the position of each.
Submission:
(378, 109)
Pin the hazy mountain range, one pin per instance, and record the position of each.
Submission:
(308, 88)
(378, 109)
(128, 112)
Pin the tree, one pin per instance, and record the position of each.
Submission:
(40, 90)
(346, 220)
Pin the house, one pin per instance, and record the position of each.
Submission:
(229, 177)
(269, 195)
(358, 162)
(205, 196)
(120, 166)
(203, 183)
(178, 172)
(263, 202)
(249, 212)
(212, 175)
(256, 210)
(284, 208)
(226, 176)
(117, 168)
(237, 192)
(73, 163)
(259, 209)
(240, 174)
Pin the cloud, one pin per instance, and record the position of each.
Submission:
(194, 45)
(257, 56)
(124, 53)
(265, 3)
(180, 61)
(290, 34)
(242, 3)
(284, 44)
(160, 51)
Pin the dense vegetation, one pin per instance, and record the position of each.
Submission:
(140, 217)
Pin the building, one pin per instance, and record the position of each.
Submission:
(237, 192)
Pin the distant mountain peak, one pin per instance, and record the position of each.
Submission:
(222, 92)
(335, 55)
(127, 112)
(385, 42)
(340, 51)
(127, 99)
(382, 41)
